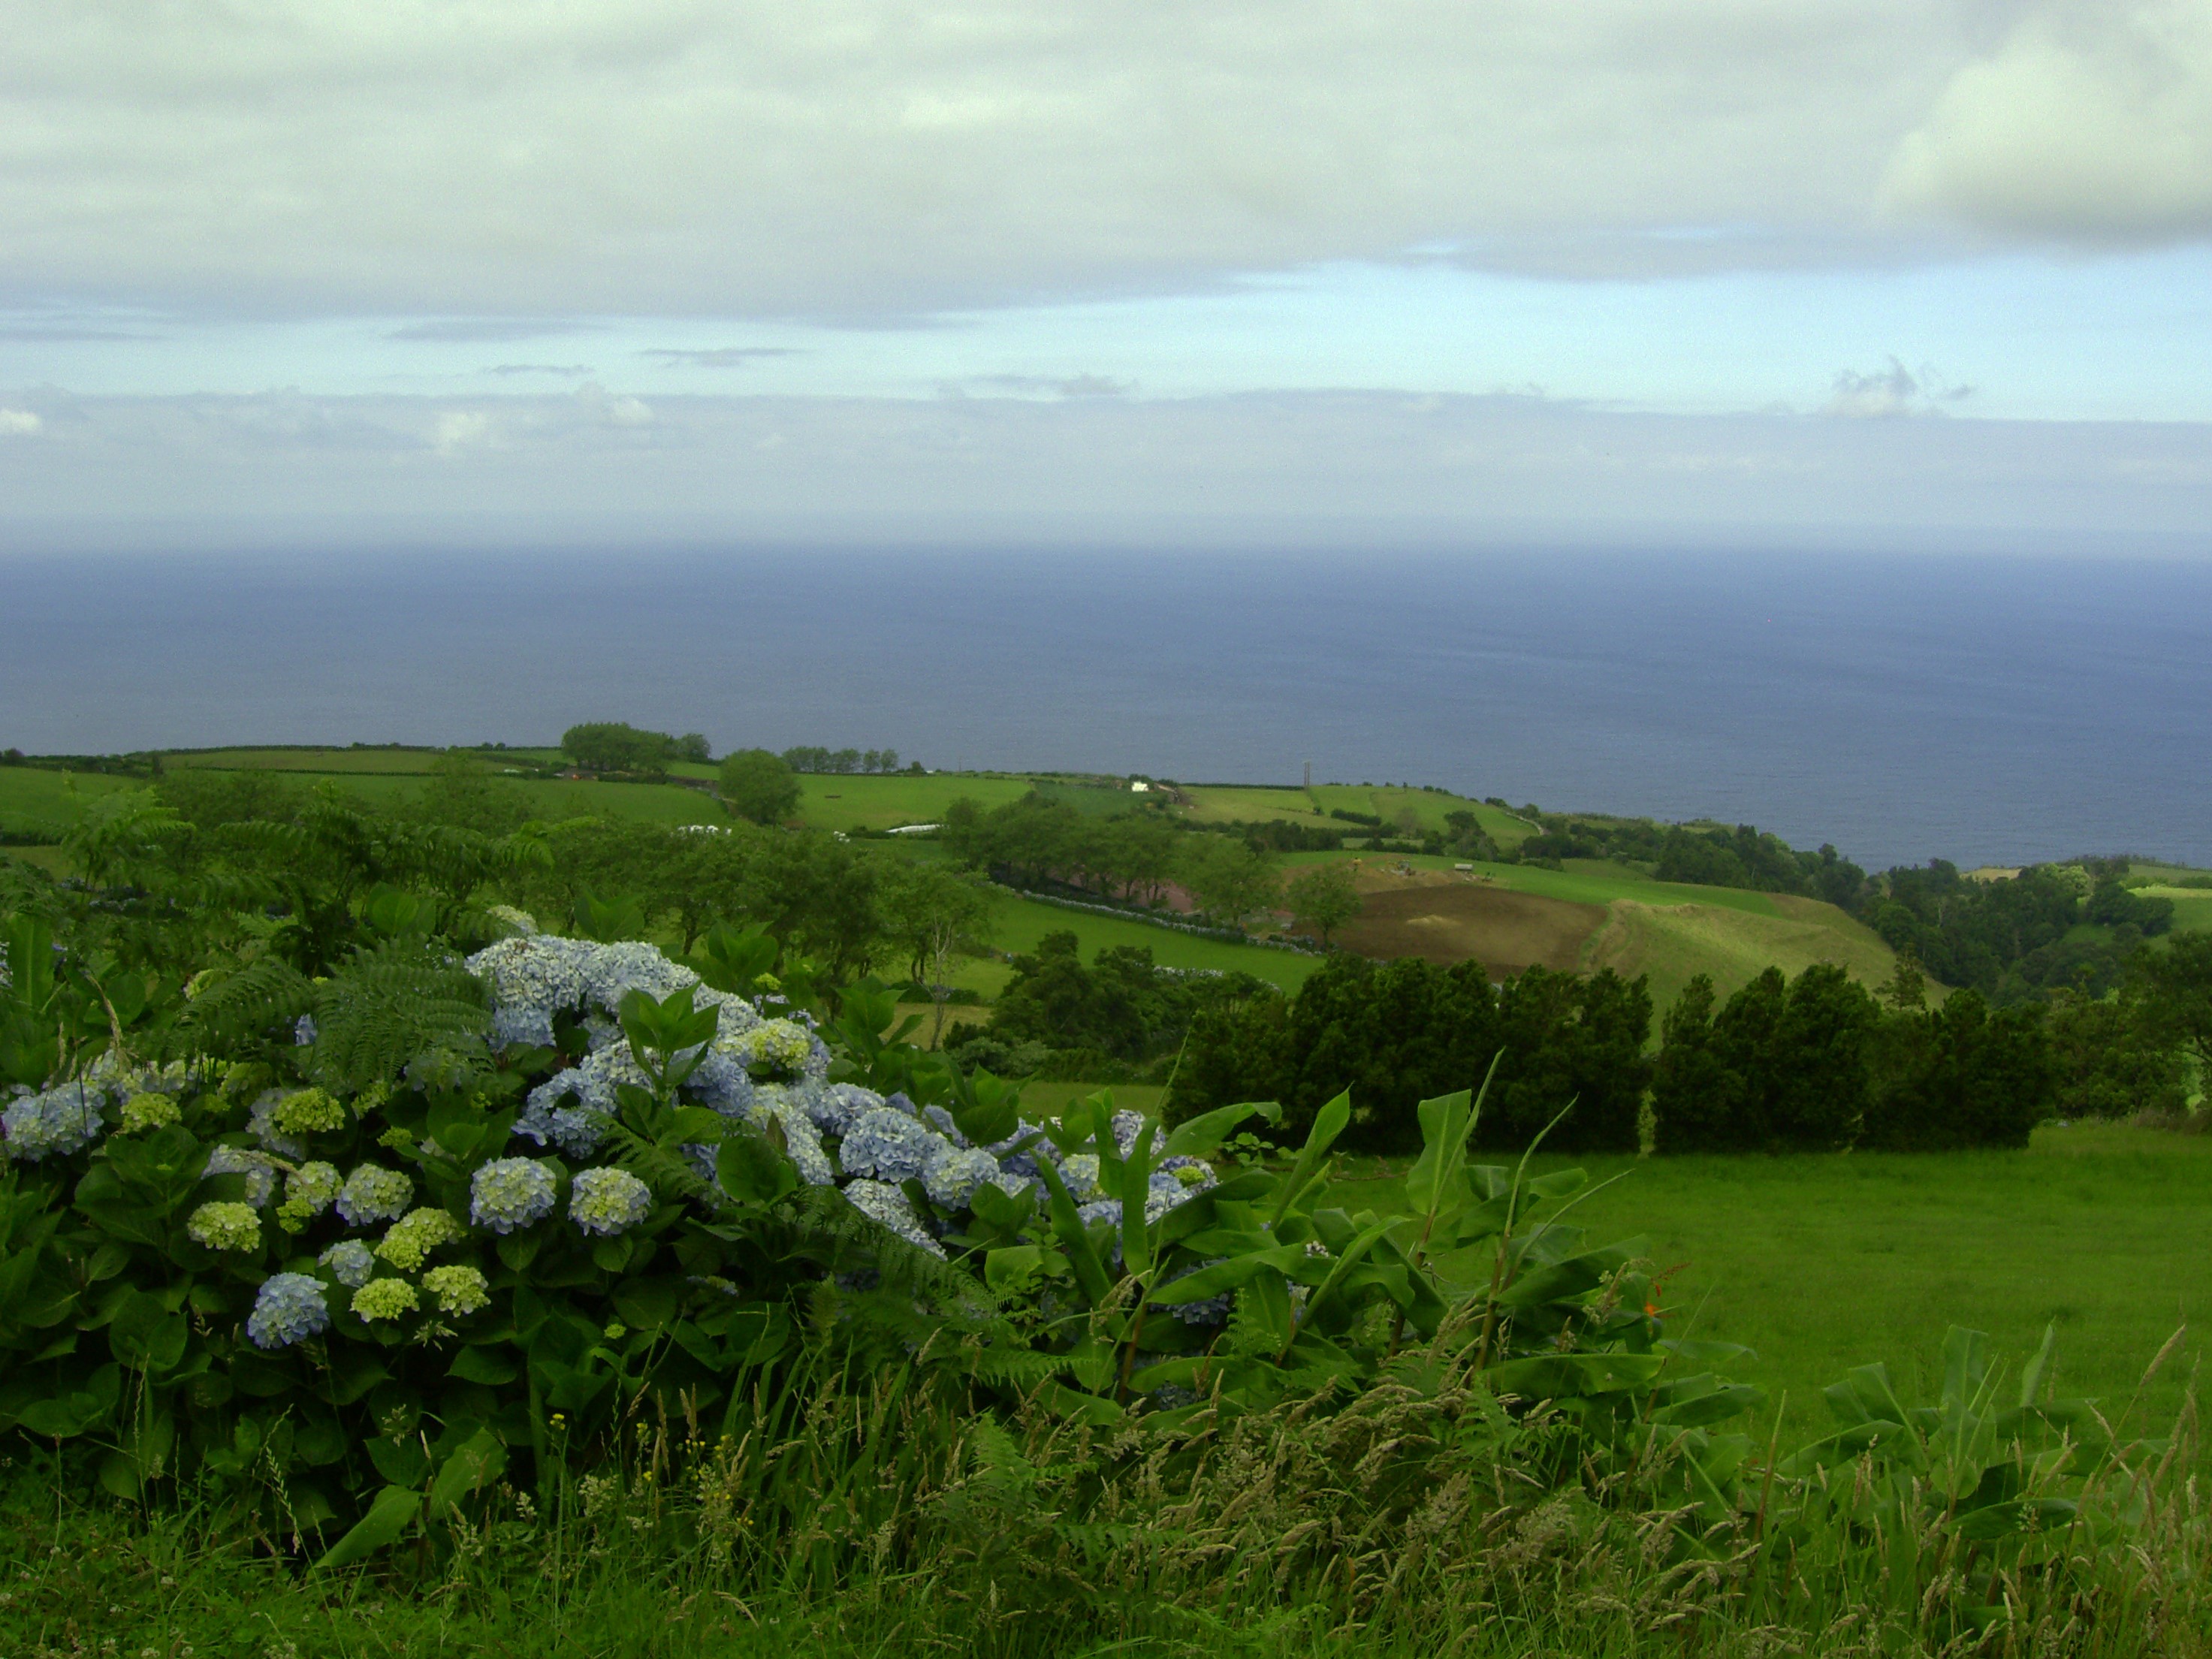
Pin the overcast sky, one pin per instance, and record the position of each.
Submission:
(1106, 268)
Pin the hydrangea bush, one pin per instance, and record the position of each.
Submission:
(636, 1190)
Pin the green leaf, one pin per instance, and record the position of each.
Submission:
(403, 1463)
(1067, 1227)
(647, 1304)
(145, 1336)
(1446, 1122)
(1202, 1136)
(387, 1519)
(492, 1367)
(750, 1170)
(1329, 1123)
(475, 1462)
(1013, 1270)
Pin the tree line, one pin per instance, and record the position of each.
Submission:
(1816, 1062)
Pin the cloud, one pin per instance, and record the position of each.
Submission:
(1893, 391)
(864, 158)
(2092, 122)
(456, 431)
(19, 423)
(539, 368)
(1342, 470)
(716, 356)
(1078, 386)
(487, 330)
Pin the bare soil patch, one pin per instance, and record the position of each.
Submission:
(1444, 923)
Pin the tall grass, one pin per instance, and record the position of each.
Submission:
(839, 1511)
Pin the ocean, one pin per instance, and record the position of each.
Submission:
(1981, 709)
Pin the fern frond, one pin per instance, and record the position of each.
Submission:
(391, 1006)
(264, 992)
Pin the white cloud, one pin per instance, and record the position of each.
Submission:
(1348, 470)
(19, 423)
(1892, 392)
(458, 430)
(480, 161)
(2093, 122)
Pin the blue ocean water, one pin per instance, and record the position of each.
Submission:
(1981, 709)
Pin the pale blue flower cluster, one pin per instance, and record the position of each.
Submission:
(885, 1204)
(569, 1109)
(259, 1169)
(303, 1031)
(509, 1193)
(532, 976)
(608, 1202)
(54, 1123)
(261, 1124)
(350, 1262)
(372, 1195)
(952, 1176)
(888, 1145)
(288, 1308)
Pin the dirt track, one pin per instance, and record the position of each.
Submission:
(1506, 932)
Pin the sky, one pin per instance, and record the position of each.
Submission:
(1112, 271)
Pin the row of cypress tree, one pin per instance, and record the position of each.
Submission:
(1813, 1063)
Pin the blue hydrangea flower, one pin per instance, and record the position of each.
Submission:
(834, 1106)
(62, 1120)
(261, 1124)
(888, 1145)
(288, 1307)
(885, 1204)
(1215, 1310)
(350, 1262)
(373, 1194)
(608, 1202)
(953, 1175)
(510, 1193)
(303, 1031)
(259, 1169)
(1080, 1175)
(568, 1107)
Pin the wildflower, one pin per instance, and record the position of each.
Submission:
(259, 1169)
(309, 1112)
(386, 1299)
(509, 1193)
(607, 1202)
(459, 1289)
(373, 1194)
(143, 1112)
(62, 1120)
(289, 1307)
(350, 1262)
(412, 1237)
(225, 1227)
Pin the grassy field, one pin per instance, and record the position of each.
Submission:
(1021, 922)
(34, 798)
(1252, 804)
(883, 803)
(1820, 1263)
(413, 762)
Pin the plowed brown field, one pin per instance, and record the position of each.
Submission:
(1505, 930)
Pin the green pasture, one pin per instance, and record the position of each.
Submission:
(32, 798)
(418, 762)
(884, 802)
(1584, 881)
(1819, 1263)
(1022, 922)
(1252, 804)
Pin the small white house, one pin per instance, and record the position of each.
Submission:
(1138, 786)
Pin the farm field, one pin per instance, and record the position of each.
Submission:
(34, 798)
(863, 802)
(1251, 804)
(1022, 922)
(1823, 1262)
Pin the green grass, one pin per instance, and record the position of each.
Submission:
(1821, 1263)
(32, 798)
(1022, 922)
(883, 803)
(416, 763)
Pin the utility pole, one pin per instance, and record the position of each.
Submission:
(1308, 775)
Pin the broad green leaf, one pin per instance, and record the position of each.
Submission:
(475, 1463)
(1329, 1123)
(1212, 1280)
(751, 1169)
(388, 1518)
(1202, 1136)
(1067, 1225)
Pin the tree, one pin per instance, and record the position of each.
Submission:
(758, 787)
(1228, 878)
(692, 746)
(1325, 898)
(612, 746)
(935, 917)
